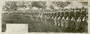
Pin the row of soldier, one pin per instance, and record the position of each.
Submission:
(69, 19)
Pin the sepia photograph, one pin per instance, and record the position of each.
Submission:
(41, 16)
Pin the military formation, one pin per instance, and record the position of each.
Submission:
(75, 18)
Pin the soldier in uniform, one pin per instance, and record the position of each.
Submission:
(41, 17)
(45, 19)
(55, 19)
(52, 18)
(84, 24)
(83, 12)
(67, 22)
(72, 23)
(48, 18)
(63, 21)
(66, 19)
(59, 19)
(78, 23)
(72, 19)
(78, 19)
(52, 15)
(72, 13)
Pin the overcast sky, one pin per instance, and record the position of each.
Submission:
(74, 4)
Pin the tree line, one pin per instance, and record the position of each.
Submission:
(14, 5)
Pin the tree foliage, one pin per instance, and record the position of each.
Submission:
(14, 5)
(61, 4)
(38, 4)
(10, 6)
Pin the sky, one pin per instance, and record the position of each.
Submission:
(74, 4)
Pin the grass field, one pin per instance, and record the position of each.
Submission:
(33, 25)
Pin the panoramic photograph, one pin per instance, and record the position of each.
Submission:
(41, 16)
